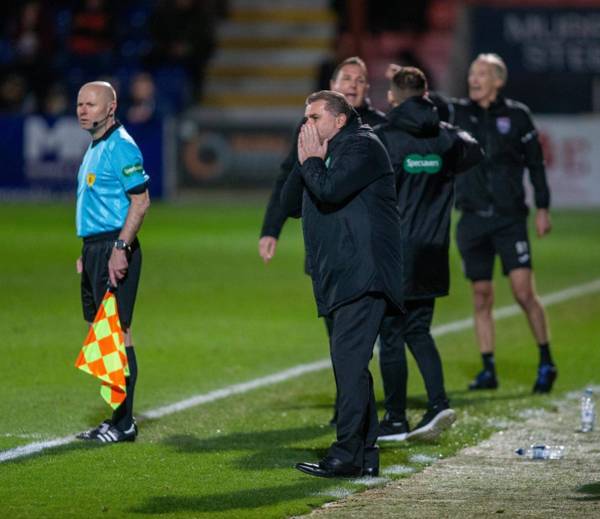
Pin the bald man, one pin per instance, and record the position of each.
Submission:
(494, 212)
(112, 199)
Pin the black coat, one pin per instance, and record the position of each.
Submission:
(275, 216)
(426, 155)
(369, 115)
(507, 134)
(350, 219)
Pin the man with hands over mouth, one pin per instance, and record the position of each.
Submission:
(343, 188)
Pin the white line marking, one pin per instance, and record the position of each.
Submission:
(296, 371)
(32, 448)
(237, 389)
(29, 436)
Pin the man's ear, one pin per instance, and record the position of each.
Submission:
(340, 121)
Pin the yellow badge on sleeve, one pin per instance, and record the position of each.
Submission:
(90, 179)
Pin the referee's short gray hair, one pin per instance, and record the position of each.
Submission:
(497, 63)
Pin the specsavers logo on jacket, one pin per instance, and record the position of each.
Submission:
(416, 163)
(90, 178)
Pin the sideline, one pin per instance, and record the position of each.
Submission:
(296, 371)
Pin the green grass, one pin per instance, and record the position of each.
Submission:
(210, 314)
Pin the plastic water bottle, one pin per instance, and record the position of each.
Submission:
(588, 411)
(542, 452)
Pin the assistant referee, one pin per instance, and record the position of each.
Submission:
(112, 199)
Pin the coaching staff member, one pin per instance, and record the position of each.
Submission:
(350, 78)
(112, 199)
(426, 156)
(494, 214)
(343, 187)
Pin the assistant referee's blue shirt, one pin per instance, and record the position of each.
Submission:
(111, 166)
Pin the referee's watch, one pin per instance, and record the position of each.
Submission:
(122, 245)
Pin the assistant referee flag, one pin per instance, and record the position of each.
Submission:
(103, 352)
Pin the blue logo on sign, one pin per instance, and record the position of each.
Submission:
(503, 125)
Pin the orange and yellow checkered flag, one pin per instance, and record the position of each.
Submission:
(103, 353)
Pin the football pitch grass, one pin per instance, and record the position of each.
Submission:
(210, 315)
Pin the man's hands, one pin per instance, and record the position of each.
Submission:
(309, 144)
(118, 262)
(117, 266)
(267, 246)
(543, 224)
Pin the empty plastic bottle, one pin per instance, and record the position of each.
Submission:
(542, 452)
(588, 411)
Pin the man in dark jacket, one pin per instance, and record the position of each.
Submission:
(494, 214)
(350, 78)
(343, 188)
(426, 155)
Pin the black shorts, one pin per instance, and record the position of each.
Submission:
(94, 278)
(480, 238)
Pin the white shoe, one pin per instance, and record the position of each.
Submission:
(432, 425)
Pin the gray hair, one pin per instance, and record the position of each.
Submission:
(354, 60)
(335, 103)
(497, 63)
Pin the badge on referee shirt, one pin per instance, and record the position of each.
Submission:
(90, 179)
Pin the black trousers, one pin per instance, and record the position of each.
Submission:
(414, 329)
(355, 328)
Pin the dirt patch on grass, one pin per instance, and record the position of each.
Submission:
(490, 480)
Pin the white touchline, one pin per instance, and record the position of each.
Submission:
(296, 371)
(32, 448)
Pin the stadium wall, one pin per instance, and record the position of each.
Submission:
(41, 155)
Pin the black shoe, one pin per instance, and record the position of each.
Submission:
(546, 376)
(114, 435)
(486, 379)
(370, 472)
(435, 421)
(334, 418)
(392, 428)
(330, 468)
(92, 434)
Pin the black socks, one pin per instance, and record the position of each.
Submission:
(545, 357)
(489, 364)
(122, 417)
